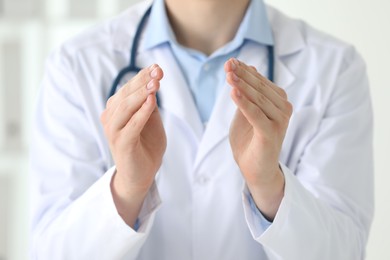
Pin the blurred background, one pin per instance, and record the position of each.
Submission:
(29, 29)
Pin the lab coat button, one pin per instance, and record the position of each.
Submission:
(203, 180)
(206, 67)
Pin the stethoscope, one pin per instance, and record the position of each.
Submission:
(133, 68)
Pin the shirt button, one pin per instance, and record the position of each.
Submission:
(206, 67)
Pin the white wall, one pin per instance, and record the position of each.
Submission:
(43, 24)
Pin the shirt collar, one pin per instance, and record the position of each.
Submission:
(255, 26)
(158, 30)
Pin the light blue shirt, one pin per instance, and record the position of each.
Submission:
(205, 74)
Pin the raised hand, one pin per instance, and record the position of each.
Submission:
(137, 140)
(257, 133)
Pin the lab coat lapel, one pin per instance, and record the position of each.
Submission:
(288, 40)
(218, 126)
(283, 76)
(174, 93)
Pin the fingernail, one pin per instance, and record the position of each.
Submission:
(233, 64)
(150, 85)
(235, 78)
(154, 73)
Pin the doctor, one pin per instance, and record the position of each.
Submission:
(229, 165)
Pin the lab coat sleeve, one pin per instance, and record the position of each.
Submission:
(328, 205)
(73, 213)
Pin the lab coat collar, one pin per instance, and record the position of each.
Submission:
(288, 36)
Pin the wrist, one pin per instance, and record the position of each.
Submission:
(128, 198)
(132, 181)
(268, 194)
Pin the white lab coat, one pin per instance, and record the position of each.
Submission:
(198, 207)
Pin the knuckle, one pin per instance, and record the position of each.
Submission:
(143, 75)
(134, 123)
(289, 108)
(140, 94)
(123, 106)
(255, 110)
(247, 106)
(285, 120)
(262, 86)
(130, 103)
(110, 101)
(108, 129)
(124, 90)
(136, 83)
(282, 92)
(261, 99)
(127, 88)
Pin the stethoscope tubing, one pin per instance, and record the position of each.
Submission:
(132, 67)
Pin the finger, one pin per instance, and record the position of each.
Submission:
(258, 98)
(262, 102)
(130, 105)
(137, 123)
(252, 70)
(138, 86)
(136, 98)
(251, 112)
(250, 79)
(268, 82)
(141, 79)
(138, 81)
